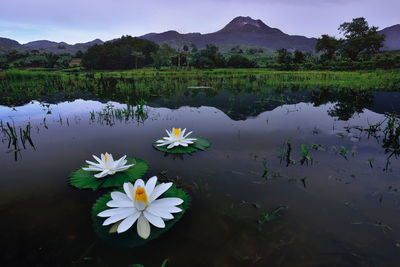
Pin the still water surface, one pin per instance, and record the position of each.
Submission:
(336, 210)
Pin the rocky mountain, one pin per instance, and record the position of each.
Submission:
(240, 31)
(392, 41)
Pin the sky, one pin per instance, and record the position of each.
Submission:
(76, 21)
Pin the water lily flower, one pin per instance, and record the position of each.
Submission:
(140, 203)
(176, 137)
(107, 166)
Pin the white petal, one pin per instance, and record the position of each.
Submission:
(159, 190)
(183, 132)
(187, 134)
(119, 196)
(160, 212)
(167, 201)
(90, 169)
(140, 205)
(94, 164)
(163, 144)
(171, 145)
(102, 174)
(116, 211)
(138, 182)
(123, 168)
(151, 183)
(120, 203)
(115, 218)
(143, 227)
(128, 222)
(120, 160)
(129, 191)
(154, 220)
(96, 158)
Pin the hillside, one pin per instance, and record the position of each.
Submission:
(240, 31)
(392, 41)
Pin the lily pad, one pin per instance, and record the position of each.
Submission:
(85, 179)
(200, 144)
(130, 238)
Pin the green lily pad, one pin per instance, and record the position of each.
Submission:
(130, 238)
(85, 179)
(200, 144)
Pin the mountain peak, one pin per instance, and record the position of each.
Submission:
(248, 24)
(241, 21)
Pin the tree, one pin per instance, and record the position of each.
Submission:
(187, 55)
(193, 48)
(163, 56)
(138, 55)
(284, 57)
(118, 54)
(299, 57)
(360, 39)
(238, 61)
(327, 44)
(79, 54)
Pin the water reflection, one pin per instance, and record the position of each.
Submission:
(337, 209)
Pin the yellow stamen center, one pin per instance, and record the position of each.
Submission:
(105, 157)
(140, 195)
(176, 131)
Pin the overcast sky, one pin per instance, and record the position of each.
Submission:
(84, 20)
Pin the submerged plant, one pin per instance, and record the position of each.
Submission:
(305, 150)
(270, 216)
(343, 152)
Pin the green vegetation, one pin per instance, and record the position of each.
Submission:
(21, 86)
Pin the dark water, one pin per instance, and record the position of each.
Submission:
(336, 210)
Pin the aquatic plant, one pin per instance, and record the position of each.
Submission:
(106, 165)
(176, 137)
(177, 142)
(130, 203)
(140, 203)
(305, 150)
(86, 180)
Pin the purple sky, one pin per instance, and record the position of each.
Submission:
(84, 20)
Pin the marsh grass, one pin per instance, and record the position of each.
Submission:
(20, 86)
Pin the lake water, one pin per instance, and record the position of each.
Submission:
(339, 208)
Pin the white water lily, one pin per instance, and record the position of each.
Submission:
(140, 203)
(106, 165)
(176, 137)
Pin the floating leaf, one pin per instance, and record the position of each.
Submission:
(130, 238)
(85, 179)
(200, 144)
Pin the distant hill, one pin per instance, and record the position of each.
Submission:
(392, 41)
(7, 45)
(240, 31)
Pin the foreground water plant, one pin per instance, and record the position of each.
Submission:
(139, 203)
(146, 204)
(179, 142)
(106, 165)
